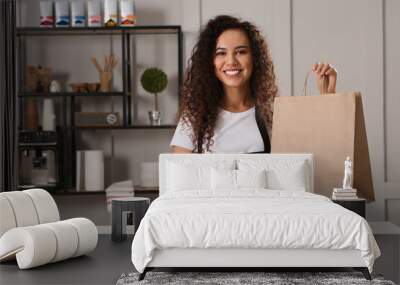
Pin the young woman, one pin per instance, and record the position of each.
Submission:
(228, 91)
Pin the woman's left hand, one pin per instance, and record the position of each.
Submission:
(326, 77)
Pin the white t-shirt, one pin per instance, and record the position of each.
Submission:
(234, 133)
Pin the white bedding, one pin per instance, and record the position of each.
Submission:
(252, 218)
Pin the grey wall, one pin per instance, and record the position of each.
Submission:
(360, 37)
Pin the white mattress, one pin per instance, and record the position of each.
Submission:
(253, 218)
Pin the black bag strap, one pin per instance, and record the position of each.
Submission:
(264, 133)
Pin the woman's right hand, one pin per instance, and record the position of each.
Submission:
(326, 77)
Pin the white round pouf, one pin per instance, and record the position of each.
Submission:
(6, 215)
(87, 234)
(67, 240)
(23, 208)
(45, 205)
(33, 246)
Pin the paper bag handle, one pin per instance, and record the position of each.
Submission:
(306, 82)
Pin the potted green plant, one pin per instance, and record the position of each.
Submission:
(154, 81)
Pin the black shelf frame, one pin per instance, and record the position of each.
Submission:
(139, 30)
(68, 98)
(130, 127)
(69, 94)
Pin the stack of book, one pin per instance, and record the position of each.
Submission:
(344, 194)
(122, 189)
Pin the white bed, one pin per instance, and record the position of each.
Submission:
(202, 220)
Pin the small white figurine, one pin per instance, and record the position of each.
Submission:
(348, 174)
(55, 86)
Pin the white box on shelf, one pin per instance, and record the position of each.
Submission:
(78, 14)
(94, 13)
(46, 14)
(110, 13)
(62, 14)
(128, 17)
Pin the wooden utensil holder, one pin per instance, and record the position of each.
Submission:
(105, 81)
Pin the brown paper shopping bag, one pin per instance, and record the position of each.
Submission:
(331, 127)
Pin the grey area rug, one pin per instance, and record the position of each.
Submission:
(269, 278)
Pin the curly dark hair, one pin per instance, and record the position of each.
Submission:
(202, 92)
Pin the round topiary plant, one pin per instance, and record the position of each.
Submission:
(154, 81)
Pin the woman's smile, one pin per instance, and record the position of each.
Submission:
(232, 72)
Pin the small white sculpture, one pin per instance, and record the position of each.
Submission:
(348, 174)
(55, 86)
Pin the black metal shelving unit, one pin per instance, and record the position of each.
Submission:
(68, 98)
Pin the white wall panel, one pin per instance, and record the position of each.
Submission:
(328, 31)
(280, 34)
(191, 21)
(392, 98)
(254, 11)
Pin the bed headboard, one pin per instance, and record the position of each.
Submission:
(199, 159)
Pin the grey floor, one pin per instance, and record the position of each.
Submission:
(102, 266)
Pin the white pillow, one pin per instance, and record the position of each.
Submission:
(193, 174)
(282, 174)
(251, 178)
(181, 177)
(223, 179)
(294, 178)
(226, 179)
